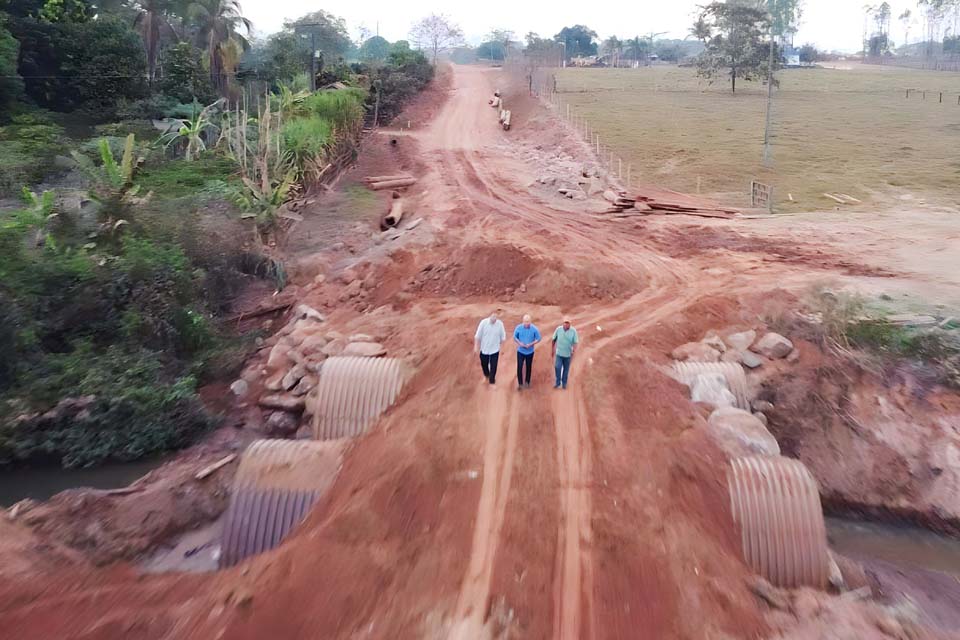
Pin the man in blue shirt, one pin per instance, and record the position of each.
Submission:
(526, 335)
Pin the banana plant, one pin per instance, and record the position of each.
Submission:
(39, 214)
(192, 131)
(113, 185)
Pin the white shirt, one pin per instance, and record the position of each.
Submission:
(490, 336)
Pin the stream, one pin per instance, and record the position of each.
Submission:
(41, 483)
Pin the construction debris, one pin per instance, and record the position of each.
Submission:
(216, 466)
(400, 176)
(842, 198)
(652, 200)
(393, 184)
(395, 214)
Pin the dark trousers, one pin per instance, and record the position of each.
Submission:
(488, 362)
(562, 369)
(521, 360)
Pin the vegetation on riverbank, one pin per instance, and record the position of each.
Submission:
(153, 183)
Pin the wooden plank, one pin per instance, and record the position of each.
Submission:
(216, 466)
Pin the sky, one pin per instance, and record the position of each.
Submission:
(828, 24)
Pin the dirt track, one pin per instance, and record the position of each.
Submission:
(478, 511)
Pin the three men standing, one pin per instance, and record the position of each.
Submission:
(565, 341)
(526, 335)
(490, 335)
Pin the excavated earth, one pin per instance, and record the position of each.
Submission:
(477, 511)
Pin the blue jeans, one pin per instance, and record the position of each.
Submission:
(562, 368)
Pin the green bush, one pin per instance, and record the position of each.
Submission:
(201, 178)
(155, 107)
(306, 138)
(27, 148)
(342, 108)
(135, 413)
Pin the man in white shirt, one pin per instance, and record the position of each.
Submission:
(487, 341)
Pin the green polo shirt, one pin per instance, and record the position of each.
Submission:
(565, 340)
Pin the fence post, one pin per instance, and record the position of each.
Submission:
(620, 167)
(941, 97)
(598, 145)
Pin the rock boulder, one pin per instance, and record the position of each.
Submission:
(773, 345)
(711, 388)
(695, 352)
(740, 433)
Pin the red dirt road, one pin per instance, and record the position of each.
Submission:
(474, 511)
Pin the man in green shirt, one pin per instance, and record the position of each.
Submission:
(565, 341)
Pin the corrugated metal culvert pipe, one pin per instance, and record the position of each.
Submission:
(352, 393)
(776, 506)
(277, 483)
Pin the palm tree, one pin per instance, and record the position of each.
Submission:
(152, 21)
(219, 24)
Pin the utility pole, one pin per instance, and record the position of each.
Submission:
(311, 29)
(767, 154)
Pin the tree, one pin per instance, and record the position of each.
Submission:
(91, 65)
(637, 48)
(733, 35)
(882, 18)
(184, 77)
(375, 49)
(436, 32)
(219, 25)
(151, 22)
(905, 19)
(325, 30)
(809, 53)
(613, 47)
(496, 44)
(11, 84)
(578, 41)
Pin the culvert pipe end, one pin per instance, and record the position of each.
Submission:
(352, 393)
(775, 505)
(277, 483)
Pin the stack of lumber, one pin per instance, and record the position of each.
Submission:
(654, 200)
(389, 182)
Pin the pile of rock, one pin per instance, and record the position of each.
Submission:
(293, 367)
(742, 347)
(737, 431)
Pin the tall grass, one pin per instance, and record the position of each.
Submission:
(307, 139)
(343, 109)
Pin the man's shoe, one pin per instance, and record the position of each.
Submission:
(556, 386)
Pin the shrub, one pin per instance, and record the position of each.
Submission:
(135, 412)
(205, 176)
(155, 107)
(27, 149)
(306, 138)
(342, 108)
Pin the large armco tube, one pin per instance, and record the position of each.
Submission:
(353, 393)
(776, 506)
(277, 483)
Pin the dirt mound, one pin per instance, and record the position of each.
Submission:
(505, 272)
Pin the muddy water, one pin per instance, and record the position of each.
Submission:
(902, 545)
(42, 483)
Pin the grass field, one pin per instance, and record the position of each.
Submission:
(848, 131)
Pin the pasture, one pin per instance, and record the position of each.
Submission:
(852, 131)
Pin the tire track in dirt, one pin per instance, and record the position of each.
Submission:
(573, 585)
(500, 422)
